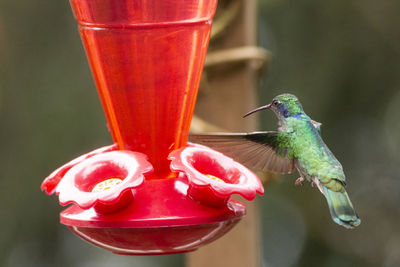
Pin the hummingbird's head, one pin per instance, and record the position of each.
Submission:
(284, 106)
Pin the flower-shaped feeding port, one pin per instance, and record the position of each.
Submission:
(213, 177)
(104, 181)
(50, 183)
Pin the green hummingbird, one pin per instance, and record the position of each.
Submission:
(296, 144)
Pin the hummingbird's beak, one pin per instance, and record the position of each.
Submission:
(257, 109)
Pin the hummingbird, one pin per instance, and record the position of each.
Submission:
(297, 144)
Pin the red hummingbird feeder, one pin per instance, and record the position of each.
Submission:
(151, 192)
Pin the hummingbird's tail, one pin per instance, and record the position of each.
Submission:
(341, 209)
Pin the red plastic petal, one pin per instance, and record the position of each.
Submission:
(198, 161)
(78, 183)
(50, 183)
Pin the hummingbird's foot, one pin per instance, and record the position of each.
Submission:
(313, 184)
(299, 181)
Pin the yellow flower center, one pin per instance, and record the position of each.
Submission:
(106, 184)
(215, 178)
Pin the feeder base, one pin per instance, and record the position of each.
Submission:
(153, 241)
(161, 219)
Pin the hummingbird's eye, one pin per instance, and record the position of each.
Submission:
(275, 103)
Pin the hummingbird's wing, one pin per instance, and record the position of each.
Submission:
(258, 150)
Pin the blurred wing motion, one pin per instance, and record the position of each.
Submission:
(258, 150)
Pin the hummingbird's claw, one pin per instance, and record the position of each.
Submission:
(299, 181)
(313, 184)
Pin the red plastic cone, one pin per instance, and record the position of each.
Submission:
(147, 58)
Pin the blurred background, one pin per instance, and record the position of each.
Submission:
(341, 58)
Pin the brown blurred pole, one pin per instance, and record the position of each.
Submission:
(230, 94)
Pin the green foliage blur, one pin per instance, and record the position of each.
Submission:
(341, 58)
